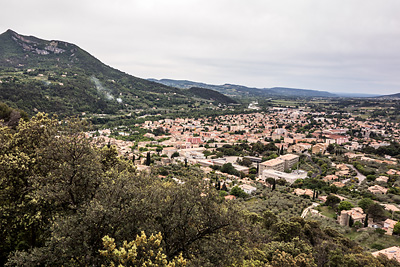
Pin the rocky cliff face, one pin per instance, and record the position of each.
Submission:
(27, 51)
(36, 47)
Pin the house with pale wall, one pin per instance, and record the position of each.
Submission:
(377, 190)
(388, 226)
(357, 214)
(248, 189)
(319, 148)
(301, 192)
(391, 253)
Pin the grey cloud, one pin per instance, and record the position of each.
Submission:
(326, 45)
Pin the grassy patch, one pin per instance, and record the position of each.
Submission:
(373, 241)
(285, 102)
(328, 212)
(353, 235)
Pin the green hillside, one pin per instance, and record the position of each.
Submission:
(243, 91)
(59, 77)
(212, 95)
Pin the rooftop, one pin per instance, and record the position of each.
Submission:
(272, 162)
(289, 157)
(391, 253)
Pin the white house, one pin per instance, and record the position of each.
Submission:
(248, 189)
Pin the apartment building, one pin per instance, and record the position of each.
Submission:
(281, 163)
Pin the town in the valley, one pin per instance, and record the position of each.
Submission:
(345, 166)
(200, 133)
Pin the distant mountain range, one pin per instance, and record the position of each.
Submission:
(361, 95)
(59, 77)
(390, 96)
(243, 91)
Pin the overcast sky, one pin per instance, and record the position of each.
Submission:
(337, 46)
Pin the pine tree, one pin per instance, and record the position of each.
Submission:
(224, 187)
(366, 221)
(218, 185)
(351, 221)
(148, 160)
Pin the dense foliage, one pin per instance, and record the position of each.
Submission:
(10, 116)
(211, 95)
(65, 202)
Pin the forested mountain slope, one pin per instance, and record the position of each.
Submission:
(59, 77)
(243, 91)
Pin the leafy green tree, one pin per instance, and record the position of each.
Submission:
(223, 193)
(331, 148)
(271, 180)
(332, 201)
(281, 182)
(109, 157)
(287, 230)
(245, 162)
(238, 192)
(175, 154)
(396, 229)
(47, 169)
(228, 168)
(360, 260)
(11, 116)
(269, 219)
(345, 205)
(376, 212)
(270, 147)
(253, 170)
(125, 204)
(70, 168)
(207, 153)
(365, 203)
(371, 177)
(22, 221)
(143, 251)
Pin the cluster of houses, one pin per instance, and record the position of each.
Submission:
(281, 124)
(185, 139)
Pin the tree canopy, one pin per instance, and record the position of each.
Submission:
(67, 202)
